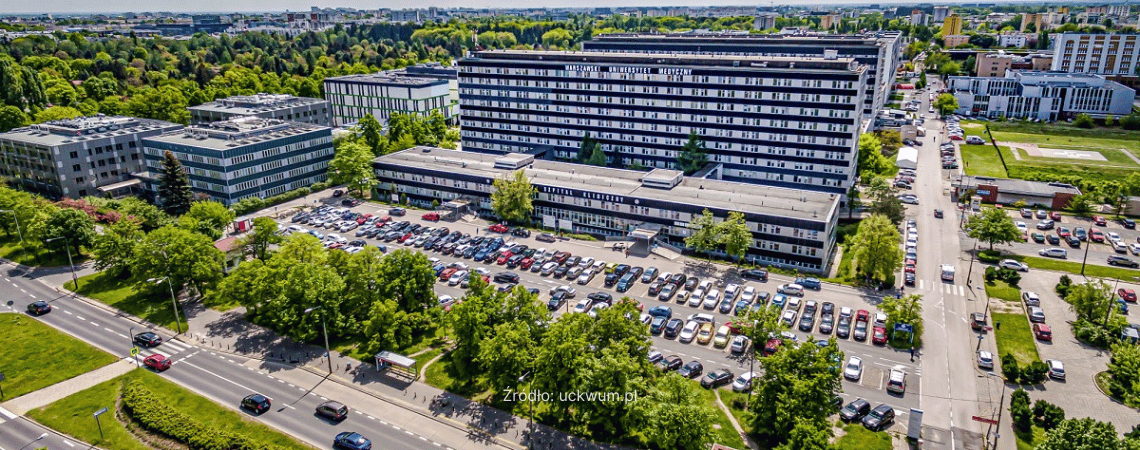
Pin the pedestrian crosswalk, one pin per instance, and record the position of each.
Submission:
(168, 348)
(939, 286)
(6, 415)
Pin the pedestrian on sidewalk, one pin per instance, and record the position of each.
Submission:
(912, 354)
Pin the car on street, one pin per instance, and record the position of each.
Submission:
(1056, 369)
(39, 308)
(335, 411)
(1036, 314)
(855, 410)
(716, 378)
(148, 339)
(1042, 332)
(1054, 252)
(157, 361)
(692, 369)
(257, 403)
(351, 441)
(755, 275)
(854, 368)
(879, 418)
(791, 289)
(1014, 265)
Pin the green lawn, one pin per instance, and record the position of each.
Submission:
(1029, 440)
(53, 357)
(1015, 336)
(1074, 267)
(73, 415)
(859, 437)
(1001, 290)
(156, 308)
(982, 160)
(843, 273)
(726, 434)
(33, 254)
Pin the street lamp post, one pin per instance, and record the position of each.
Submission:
(1001, 401)
(34, 441)
(1085, 259)
(751, 364)
(328, 350)
(173, 299)
(67, 246)
(23, 248)
(973, 255)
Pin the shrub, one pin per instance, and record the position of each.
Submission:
(989, 256)
(251, 204)
(1063, 286)
(1093, 334)
(1019, 409)
(1049, 414)
(1083, 121)
(1009, 368)
(1035, 373)
(162, 419)
(1130, 122)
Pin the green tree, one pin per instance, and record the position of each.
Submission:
(506, 354)
(409, 279)
(57, 113)
(703, 235)
(796, 385)
(587, 147)
(946, 103)
(12, 117)
(257, 243)
(1081, 205)
(1082, 434)
(162, 103)
(74, 226)
(885, 202)
(559, 360)
(907, 309)
(734, 234)
(188, 258)
(876, 248)
(890, 139)
(1124, 370)
(673, 414)
(871, 159)
(512, 200)
(761, 324)
(470, 323)
(993, 226)
(1090, 300)
(1084, 121)
(370, 130)
(174, 186)
(207, 217)
(1109, 120)
(352, 166)
(114, 249)
(597, 156)
(693, 155)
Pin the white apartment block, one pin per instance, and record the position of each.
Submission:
(1046, 96)
(1102, 54)
(351, 97)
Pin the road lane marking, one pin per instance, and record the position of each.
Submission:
(93, 322)
(80, 317)
(220, 377)
(7, 413)
(32, 295)
(68, 313)
(121, 335)
(69, 444)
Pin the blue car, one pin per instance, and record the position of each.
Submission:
(352, 441)
(481, 254)
(741, 307)
(658, 324)
(809, 283)
(661, 311)
(779, 300)
(316, 234)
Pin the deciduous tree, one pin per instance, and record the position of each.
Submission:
(797, 385)
(188, 258)
(352, 166)
(875, 248)
(702, 232)
(115, 248)
(734, 234)
(264, 235)
(597, 156)
(946, 103)
(1090, 300)
(885, 202)
(209, 218)
(992, 226)
(871, 159)
(907, 309)
(673, 414)
(74, 226)
(512, 199)
(1082, 434)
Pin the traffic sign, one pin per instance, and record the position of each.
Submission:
(984, 420)
(134, 351)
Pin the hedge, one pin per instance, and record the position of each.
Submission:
(162, 419)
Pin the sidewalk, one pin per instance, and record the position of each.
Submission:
(58, 391)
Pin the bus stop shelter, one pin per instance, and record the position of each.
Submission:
(387, 361)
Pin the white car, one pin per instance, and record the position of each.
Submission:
(985, 360)
(564, 288)
(460, 265)
(712, 299)
(1023, 227)
(296, 229)
(731, 291)
(1112, 236)
(1054, 252)
(1015, 265)
(549, 267)
(586, 262)
(483, 271)
(854, 369)
(793, 304)
(583, 305)
(790, 289)
(1135, 247)
(789, 317)
(749, 294)
(689, 332)
(457, 277)
(445, 300)
(1056, 369)
(596, 309)
(739, 344)
(586, 276)
(743, 383)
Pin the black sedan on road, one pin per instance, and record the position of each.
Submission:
(352, 441)
(39, 308)
(148, 339)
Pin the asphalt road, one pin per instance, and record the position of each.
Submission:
(18, 433)
(227, 379)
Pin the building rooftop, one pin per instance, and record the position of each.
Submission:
(1015, 186)
(66, 131)
(236, 132)
(743, 61)
(717, 194)
(392, 78)
(729, 35)
(254, 104)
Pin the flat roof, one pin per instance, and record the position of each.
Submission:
(66, 131)
(236, 132)
(391, 78)
(725, 195)
(728, 36)
(258, 103)
(656, 59)
(1016, 186)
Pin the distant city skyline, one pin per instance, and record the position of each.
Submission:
(228, 6)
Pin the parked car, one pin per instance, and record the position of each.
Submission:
(1014, 265)
(1056, 369)
(855, 410)
(879, 418)
(1054, 252)
(1036, 314)
(985, 360)
(743, 383)
(716, 378)
(1122, 261)
(1042, 332)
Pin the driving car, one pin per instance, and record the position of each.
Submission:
(1054, 252)
(335, 411)
(148, 339)
(256, 402)
(692, 369)
(41, 307)
(1014, 265)
(880, 417)
(854, 368)
(1122, 261)
(985, 360)
(716, 378)
(351, 441)
(157, 362)
(854, 410)
(1056, 369)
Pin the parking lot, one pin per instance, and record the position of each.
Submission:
(878, 359)
(1040, 234)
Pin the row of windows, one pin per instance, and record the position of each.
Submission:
(756, 79)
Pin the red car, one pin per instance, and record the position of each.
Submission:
(499, 228)
(1099, 221)
(526, 263)
(157, 362)
(1127, 294)
(1096, 235)
(879, 335)
(431, 217)
(447, 273)
(403, 238)
(1042, 332)
(504, 257)
(910, 268)
(772, 346)
(1056, 216)
(862, 316)
(1063, 232)
(384, 220)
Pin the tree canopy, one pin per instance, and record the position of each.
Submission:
(512, 198)
(993, 226)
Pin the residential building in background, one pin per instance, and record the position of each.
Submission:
(1102, 54)
(75, 158)
(764, 21)
(1013, 40)
(351, 97)
(879, 52)
(955, 40)
(267, 106)
(243, 157)
(997, 64)
(1046, 96)
(793, 229)
(780, 121)
(940, 14)
(952, 25)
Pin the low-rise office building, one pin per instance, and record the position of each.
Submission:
(778, 121)
(244, 157)
(267, 106)
(1046, 96)
(75, 158)
(1007, 191)
(791, 228)
(351, 97)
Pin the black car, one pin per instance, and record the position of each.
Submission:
(909, 278)
(556, 300)
(692, 283)
(611, 279)
(670, 363)
(807, 321)
(636, 271)
(350, 202)
(673, 327)
(1122, 261)
(1053, 239)
(560, 271)
(692, 369)
(352, 441)
(333, 410)
(843, 330)
(678, 279)
(755, 274)
(397, 212)
(880, 417)
(521, 232)
(506, 277)
(601, 297)
(338, 193)
(1128, 223)
(855, 410)
(658, 324)
(256, 402)
(39, 308)
(1073, 241)
(655, 289)
(716, 378)
(148, 339)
